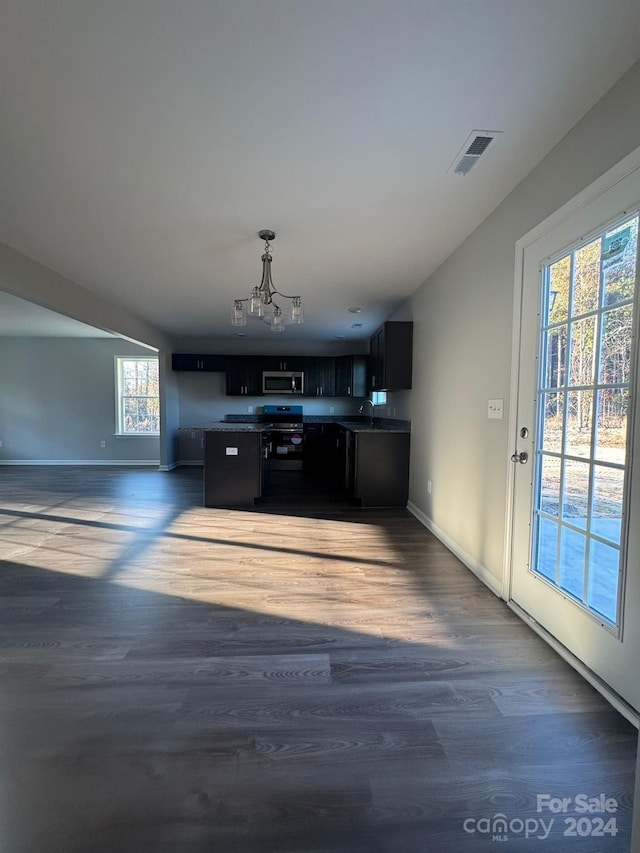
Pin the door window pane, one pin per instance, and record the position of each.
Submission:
(572, 555)
(615, 352)
(559, 285)
(581, 369)
(553, 421)
(547, 548)
(619, 249)
(606, 509)
(586, 278)
(611, 427)
(576, 493)
(579, 423)
(556, 357)
(550, 485)
(604, 569)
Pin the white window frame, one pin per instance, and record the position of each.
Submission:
(119, 359)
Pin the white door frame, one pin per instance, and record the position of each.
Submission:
(617, 173)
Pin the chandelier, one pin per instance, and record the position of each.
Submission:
(262, 302)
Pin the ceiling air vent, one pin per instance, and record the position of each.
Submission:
(473, 149)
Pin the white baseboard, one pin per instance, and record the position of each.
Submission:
(610, 695)
(477, 568)
(119, 462)
(169, 467)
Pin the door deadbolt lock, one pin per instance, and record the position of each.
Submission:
(524, 432)
(522, 458)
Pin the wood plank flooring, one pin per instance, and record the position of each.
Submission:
(301, 677)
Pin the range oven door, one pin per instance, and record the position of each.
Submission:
(286, 449)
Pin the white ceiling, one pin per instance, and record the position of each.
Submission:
(144, 144)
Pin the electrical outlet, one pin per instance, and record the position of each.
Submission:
(428, 487)
(0, 444)
(103, 444)
(332, 410)
(249, 410)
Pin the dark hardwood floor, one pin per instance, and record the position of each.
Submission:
(300, 677)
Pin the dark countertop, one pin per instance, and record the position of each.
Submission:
(351, 425)
(355, 426)
(225, 426)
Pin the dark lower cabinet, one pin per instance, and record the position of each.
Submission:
(321, 450)
(376, 466)
(232, 468)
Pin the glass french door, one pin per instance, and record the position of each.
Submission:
(576, 552)
(586, 345)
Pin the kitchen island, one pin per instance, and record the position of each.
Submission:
(365, 461)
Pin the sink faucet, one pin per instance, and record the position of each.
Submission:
(373, 411)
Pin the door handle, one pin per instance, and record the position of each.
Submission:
(522, 458)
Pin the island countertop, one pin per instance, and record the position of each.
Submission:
(351, 425)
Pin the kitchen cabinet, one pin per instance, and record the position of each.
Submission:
(232, 467)
(391, 357)
(321, 450)
(189, 446)
(205, 363)
(351, 376)
(376, 467)
(282, 362)
(244, 376)
(319, 376)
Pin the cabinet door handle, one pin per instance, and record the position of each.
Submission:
(348, 390)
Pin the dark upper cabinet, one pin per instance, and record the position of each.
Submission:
(391, 357)
(351, 376)
(319, 376)
(282, 362)
(187, 361)
(244, 376)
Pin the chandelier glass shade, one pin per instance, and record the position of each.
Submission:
(264, 300)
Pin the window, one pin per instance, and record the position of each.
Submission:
(378, 398)
(137, 396)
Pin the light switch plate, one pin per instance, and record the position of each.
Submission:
(495, 409)
(231, 451)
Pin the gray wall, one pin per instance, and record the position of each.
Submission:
(203, 401)
(462, 338)
(57, 402)
(26, 278)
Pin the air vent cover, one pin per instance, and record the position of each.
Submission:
(477, 143)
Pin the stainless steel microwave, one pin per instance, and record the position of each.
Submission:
(282, 382)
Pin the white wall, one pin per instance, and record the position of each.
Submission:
(57, 402)
(462, 337)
